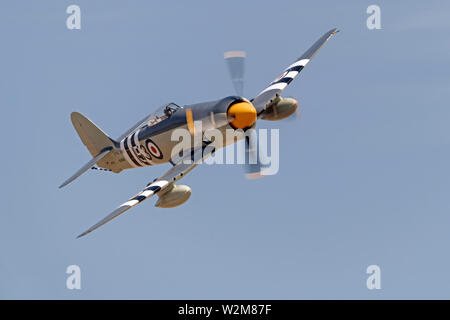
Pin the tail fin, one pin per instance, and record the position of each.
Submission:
(92, 136)
(95, 140)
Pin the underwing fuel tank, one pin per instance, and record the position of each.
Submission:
(280, 109)
(176, 196)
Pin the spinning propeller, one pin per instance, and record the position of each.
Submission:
(235, 61)
(267, 105)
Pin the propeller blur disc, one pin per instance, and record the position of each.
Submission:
(236, 65)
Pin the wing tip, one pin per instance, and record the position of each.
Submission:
(65, 183)
(82, 234)
(68, 181)
(334, 30)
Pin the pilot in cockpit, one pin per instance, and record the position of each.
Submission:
(168, 111)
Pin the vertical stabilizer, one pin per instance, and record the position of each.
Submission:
(92, 136)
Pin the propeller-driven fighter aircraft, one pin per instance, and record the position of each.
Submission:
(149, 141)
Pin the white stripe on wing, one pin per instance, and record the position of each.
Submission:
(302, 62)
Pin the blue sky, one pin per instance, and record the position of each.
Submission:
(364, 174)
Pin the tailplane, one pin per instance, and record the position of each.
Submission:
(96, 141)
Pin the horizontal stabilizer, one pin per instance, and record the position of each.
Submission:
(87, 166)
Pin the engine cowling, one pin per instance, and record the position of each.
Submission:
(174, 197)
(242, 113)
(280, 109)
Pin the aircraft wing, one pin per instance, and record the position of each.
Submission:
(265, 97)
(174, 174)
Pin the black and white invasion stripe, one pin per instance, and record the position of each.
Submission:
(152, 189)
(127, 153)
(287, 76)
(130, 148)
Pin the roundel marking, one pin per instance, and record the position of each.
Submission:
(153, 149)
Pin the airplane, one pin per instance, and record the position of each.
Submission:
(149, 141)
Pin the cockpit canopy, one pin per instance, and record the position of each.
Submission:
(162, 113)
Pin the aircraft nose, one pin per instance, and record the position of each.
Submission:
(242, 114)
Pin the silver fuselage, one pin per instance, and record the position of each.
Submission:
(152, 145)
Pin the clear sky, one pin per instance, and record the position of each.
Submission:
(364, 173)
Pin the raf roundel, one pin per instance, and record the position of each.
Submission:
(153, 149)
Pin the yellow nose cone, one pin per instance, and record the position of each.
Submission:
(243, 115)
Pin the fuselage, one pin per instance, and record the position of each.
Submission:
(152, 144)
